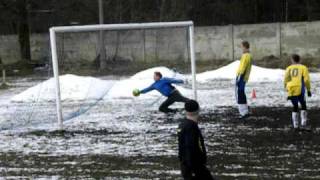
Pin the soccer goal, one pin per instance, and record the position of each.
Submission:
(143, 27)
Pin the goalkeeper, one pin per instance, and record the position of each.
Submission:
(164, 86)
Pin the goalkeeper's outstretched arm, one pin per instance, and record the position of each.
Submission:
(174, 81)
(148, 89)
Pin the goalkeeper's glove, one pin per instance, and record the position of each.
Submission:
(136, 92)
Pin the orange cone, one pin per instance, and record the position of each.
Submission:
(254, 95)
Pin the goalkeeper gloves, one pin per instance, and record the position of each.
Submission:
(136, 92)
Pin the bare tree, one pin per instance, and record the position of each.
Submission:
(19, 10)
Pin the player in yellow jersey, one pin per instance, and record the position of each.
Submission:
(296, 81)
(243, 74)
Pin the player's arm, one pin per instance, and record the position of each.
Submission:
(174, 81)
(244, 62)
(306, 78)
(286, 77)
(148, 89)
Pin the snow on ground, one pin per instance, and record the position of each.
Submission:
(77, 88)
(148, 74)
(143, 79)
(216, 89)
(121, 126)
(229, 72)
(72, 88)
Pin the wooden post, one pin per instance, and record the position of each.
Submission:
(103, 63)
(279, 40)
(4, 77)
(232, 41)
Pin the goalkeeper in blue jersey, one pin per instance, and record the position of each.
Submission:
(164, 86)
(243, 74)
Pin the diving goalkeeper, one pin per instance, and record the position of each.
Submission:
(165, 87)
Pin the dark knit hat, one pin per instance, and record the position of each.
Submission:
(191, 106)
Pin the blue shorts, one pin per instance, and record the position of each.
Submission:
(240, 91)
(295, 100)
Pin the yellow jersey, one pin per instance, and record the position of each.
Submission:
(297, 79)
(245, 66)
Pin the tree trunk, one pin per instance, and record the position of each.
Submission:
(162, 10)
(287, 10)
(309, 10)
(24, 31)
(102, 52)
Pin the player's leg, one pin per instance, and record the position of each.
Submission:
(174, 97)
(178, 97)
(164, 107)
(303, 113)
(186, 172)
(295, 114)
(242, 99)
(202, 172)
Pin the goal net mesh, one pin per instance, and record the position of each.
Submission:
(94, 84)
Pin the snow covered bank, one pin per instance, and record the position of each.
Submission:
(148, 73)
(78, 88)
(143, 79)
(72, 88)
(229, 72)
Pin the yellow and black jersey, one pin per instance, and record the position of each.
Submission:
(297, 79)
(245, 66)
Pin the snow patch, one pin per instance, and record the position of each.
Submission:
(79, 88)
(141, 80)
(148, 73)
(72, 88)
(229, 72)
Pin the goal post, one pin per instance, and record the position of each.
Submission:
(131, 26)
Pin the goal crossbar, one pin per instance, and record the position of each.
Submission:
(129, 26)
(100, 27)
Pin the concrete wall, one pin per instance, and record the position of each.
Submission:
(214, 43)
(263, 38)
(302, 38)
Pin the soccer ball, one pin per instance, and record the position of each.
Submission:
(136, 92)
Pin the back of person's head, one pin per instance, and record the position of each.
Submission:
(157, 73)
(192, 107)
(246, 44)
(295, 58)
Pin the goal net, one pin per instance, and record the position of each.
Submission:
(94, 68)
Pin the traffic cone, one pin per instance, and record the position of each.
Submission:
(254, 95)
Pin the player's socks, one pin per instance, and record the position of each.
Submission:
(243, 110)
(304, 118)
(244, 116)
(295, 120)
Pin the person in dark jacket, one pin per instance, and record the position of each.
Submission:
(192, 151)
(164, 86)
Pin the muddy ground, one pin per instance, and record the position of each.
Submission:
(262, 147)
